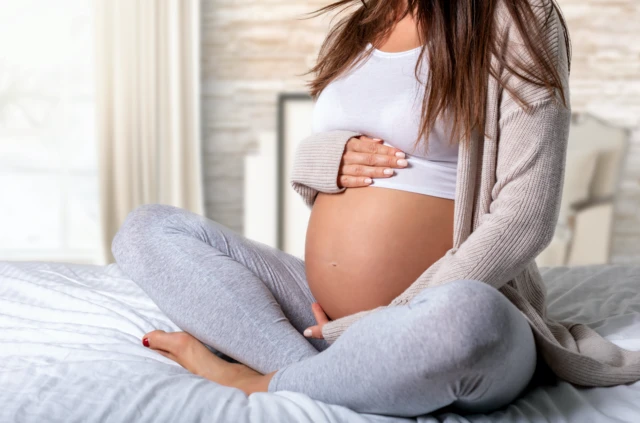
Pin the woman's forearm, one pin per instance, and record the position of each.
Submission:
(317, 162)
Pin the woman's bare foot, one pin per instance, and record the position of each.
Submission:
(191, 354)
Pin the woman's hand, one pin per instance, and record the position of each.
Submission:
(365, 158)
(321, 319)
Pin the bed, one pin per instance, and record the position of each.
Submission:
(70, 351)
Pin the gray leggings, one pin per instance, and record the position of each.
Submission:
(463, 344)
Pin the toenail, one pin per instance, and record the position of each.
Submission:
(145, 342)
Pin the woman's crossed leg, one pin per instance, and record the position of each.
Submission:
(462, 344)
(241, 297)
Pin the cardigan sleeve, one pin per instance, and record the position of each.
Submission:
(316, 164)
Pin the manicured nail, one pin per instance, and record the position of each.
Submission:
(388, 171)
(400, 154)
(376, 139)
(367, 180)
(307, 333)
(402, 162)
(145, 342)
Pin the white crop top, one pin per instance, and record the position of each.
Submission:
(381, 98)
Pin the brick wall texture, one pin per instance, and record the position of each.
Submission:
(254, 49)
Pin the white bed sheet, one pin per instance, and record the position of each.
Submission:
(70, 352)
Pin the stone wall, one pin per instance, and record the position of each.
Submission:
(254, 49)
(251, 51)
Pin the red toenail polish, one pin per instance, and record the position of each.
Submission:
(145, 342)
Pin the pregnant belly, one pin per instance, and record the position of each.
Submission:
(365, 246)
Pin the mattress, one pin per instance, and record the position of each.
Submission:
(70, 352)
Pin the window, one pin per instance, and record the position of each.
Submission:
(49, 209)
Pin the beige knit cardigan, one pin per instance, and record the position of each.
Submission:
(509, 186)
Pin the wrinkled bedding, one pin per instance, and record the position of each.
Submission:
(70, 352)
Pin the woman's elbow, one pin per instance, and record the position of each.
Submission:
(536, 237)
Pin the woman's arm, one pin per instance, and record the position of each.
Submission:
(332, 161)
(317, 162)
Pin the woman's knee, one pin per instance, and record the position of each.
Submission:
(464, 336)
(141, 225)
(498, 346)
(480, 322)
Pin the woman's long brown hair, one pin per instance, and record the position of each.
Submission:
(463, 36)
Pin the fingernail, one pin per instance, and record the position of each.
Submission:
(307, 333)
(388, 171)
(376, 139)
(400, 154)
(402, 162)
(367, 181)
(145, 342)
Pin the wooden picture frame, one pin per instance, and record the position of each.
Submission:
(294, 123)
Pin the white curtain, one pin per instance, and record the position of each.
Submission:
(148, 102)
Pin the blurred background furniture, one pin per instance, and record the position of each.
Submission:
(592, 177)
(276, 216)
(274, 213)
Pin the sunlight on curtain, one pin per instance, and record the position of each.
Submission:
(48, 166)
(148, 72)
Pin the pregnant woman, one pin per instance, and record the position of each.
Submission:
(433, 175)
